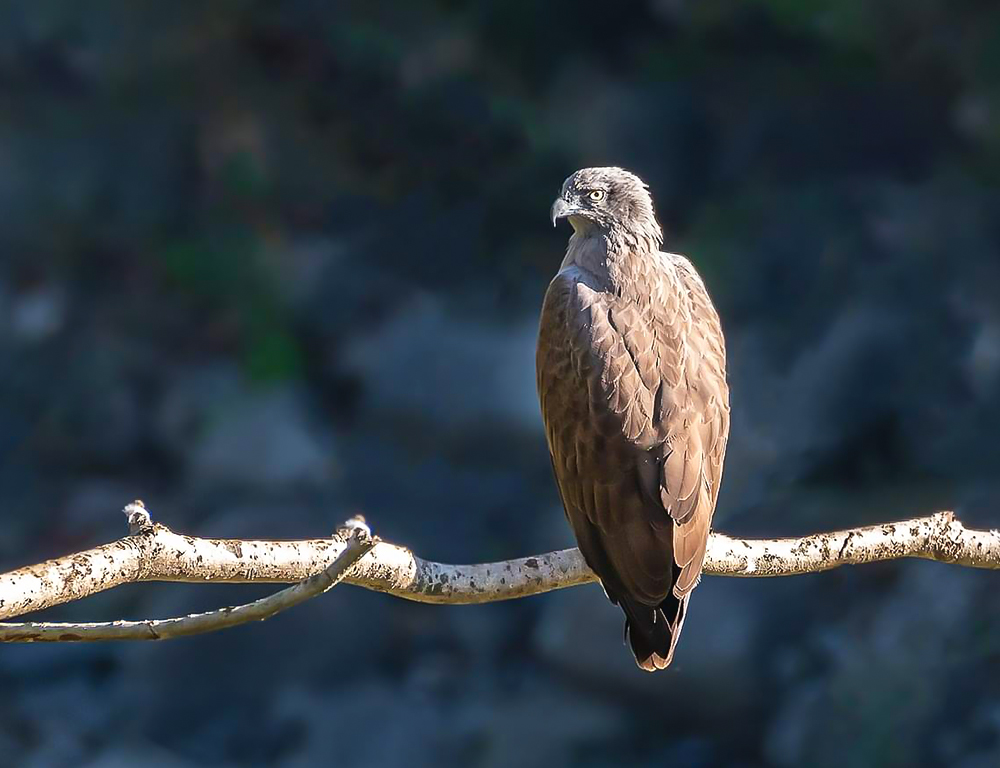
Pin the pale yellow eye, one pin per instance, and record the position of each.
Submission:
(597, 195)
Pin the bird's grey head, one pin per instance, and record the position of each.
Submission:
(608, 201)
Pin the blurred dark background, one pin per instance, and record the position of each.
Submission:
(265, 265)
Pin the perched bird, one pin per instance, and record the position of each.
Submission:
(631, 367)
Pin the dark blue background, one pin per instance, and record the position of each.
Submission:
(266, 265)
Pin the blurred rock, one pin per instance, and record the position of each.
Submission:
(884, 663)
(553, 727)
(379, 724)
(691, 752)
(132, 755)
(93, 509)
(448, 369)
(62, 730)
(263, 438)
(483, 633)
(983, 362)
(57, 748)
(300, 265)
(192, 398)
(791, 423)
(986, 759)
(581, 633)
(370, 724)
(38, 314)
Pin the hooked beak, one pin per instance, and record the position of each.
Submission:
(560, 210)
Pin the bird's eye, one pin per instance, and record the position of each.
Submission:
(597, 195)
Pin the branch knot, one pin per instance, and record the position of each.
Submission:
(138, 517)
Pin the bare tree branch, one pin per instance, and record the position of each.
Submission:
(155, 553)
(359, 541)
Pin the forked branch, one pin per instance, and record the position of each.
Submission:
(153, 552)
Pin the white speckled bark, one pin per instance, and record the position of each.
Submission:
(156, 553)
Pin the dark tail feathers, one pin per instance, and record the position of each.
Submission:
(653, 632)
